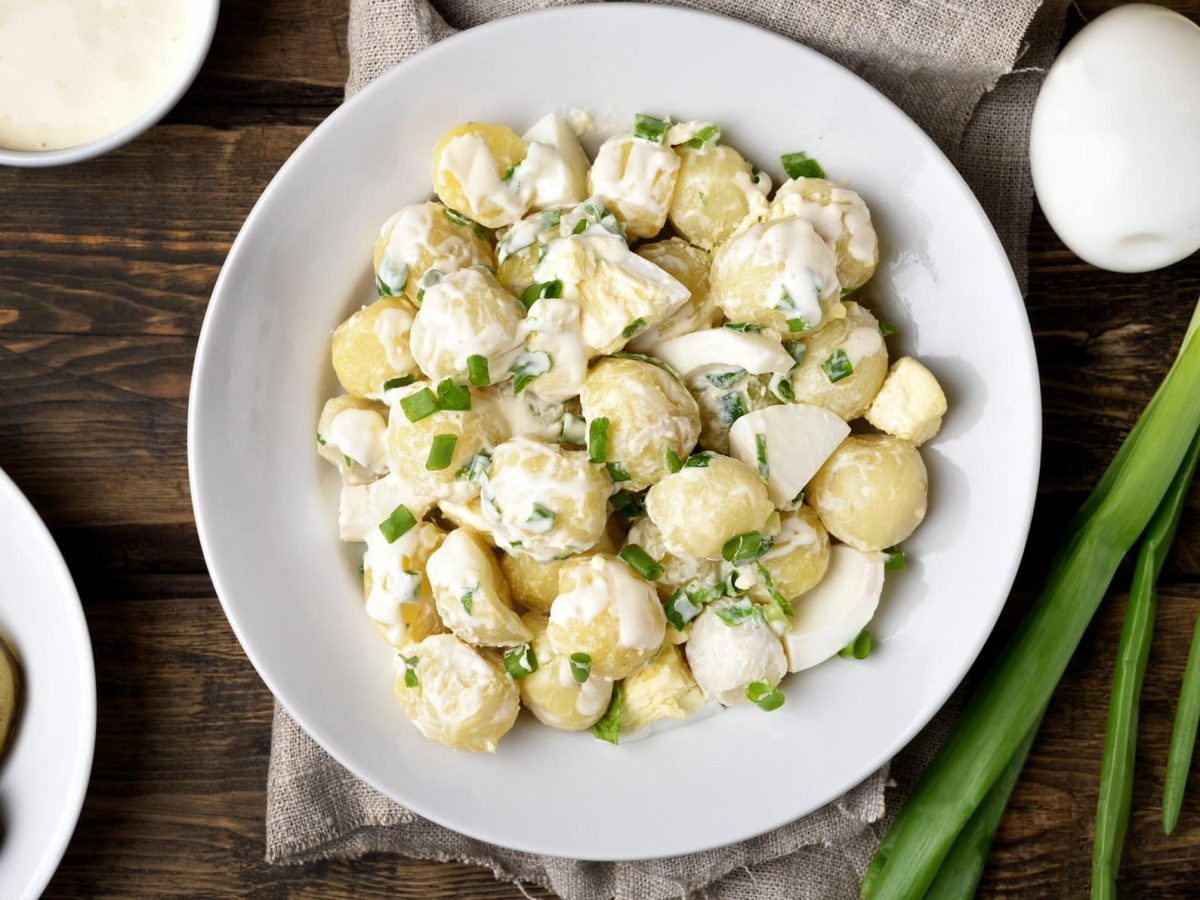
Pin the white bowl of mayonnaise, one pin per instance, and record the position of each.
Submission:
(79, 78)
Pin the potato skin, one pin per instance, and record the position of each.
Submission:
(422, 237)
(649, 414)
(500, 203)
(859, 337)
(872, 492)
(551, 692)
(698, 509)
(715, 193)
(372, 347)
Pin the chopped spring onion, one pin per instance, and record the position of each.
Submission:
(452, 395)
(441, 452)
(650, 128)
(551, 217)
(428, 280)
(1010, 697)
(540, 289)
(627, 505)
(703, 198)
(725, 379)
(886, 328)
(760, 453)
(745, 547)
(580, 227)
(321, 440)
(402, 381)
(796, 350)
(838, 366)
(777, 599)
(651, 360)
(411, 679)
(419, 405)
(801, 165)
(765, 695)
(397, 523)
(730, 585)
(731, 407)
(705, 137)
(581, 666)
(641, 562)
(477, 370)
(476, 468)
(574, 429)
(617, 472)
(520, 661)
(541, 519)
(781, 387)
(634, 327)
(737, 613)
(459, 219)
(674, 463)
(509, 173)
(797, 324)
(608, 726)
(1183, 736)
(383, 289)
(598, 440)
(895, 559)
(698, 461)
(350, 463)
(468, 599)
(681, 609)
(528, 366)
(744, 327)
(859, 648)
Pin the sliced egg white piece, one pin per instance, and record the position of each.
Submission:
(757, 353)
(799, 438)
(831, 615)
(362, 507)
(556, 163)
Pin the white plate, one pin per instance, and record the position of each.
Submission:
(45, 775)
(265, 503)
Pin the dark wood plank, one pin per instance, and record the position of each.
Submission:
(105, 272)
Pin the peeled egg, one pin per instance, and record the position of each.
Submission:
(1115, 140)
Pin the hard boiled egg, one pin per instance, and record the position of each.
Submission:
(1115, 140)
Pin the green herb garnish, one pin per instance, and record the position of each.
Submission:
(540, 289)
(760, 454)
(633, 328)
(453, 396)
(476, 468)
(838, 366)
(419, 405)
(608, 726)
(395, 525)
(617, 472)
(681, 609)
(886, 328)
(731, 407)
(745, 547)
(896, 560)
(540, 519)
(528, 366)
(766, 696)
(477, 370)
(737, 613)
(674, 463)
(581, 666)
(441, 452)
(743, 327)
(468, 599)
(705, 137)
(627, 505)
(796, 350)
(641, 562)
(725, 379)
(859, 648)
(801, 165)
(698, 460)
(520, 661)
(402, 381)
(598, 440)
(650, 128)
(411, 680)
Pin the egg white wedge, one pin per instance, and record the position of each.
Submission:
(557, 162)
(831, 615)
(757, 353)
(799, 438)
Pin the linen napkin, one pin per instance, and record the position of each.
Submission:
(967, 71)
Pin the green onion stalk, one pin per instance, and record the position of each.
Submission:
(1183, 737)
(1120, 744)
(1012, 695)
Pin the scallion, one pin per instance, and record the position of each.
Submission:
(520, 661)
(730, 408)
(540, 289)
(419, 405)
(760, 454)
(608, 726)
(617, 472)
(467, 599)
(725, 379)
(895, 559)
(411, 679)
(574, 429)
(838, 366)
(743, 327)
(705, 137)
(633, 328)
(859, 648)
(698, 461)
(681, 609)
(598, 440)
(641, 562)
(801, 165)
(765, 695)
(886, 328)
(745, 547)
(674, 463)
(627, 505)
(581, 666)
(650, 128)
(796, 350)
(401, 381)
(454, 396)
(441, 452)
(477, 370)
(541, 519)
(396, 524)
(528, 366)
(736, 613)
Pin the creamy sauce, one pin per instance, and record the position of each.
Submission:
(72, 71)
(861, 343)
(837, 214)
(360, 434)
(392, 327)
(606, 584)
(469, 160)
(635, 178)
(463, 315)
(395, 576)
(362, 507)
(554, 326)
(555, 168)
(412, 237)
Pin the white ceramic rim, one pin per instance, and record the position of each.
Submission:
(206, 519)
(64, 156)
(11, 497)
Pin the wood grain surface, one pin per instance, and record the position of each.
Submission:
(105, 270)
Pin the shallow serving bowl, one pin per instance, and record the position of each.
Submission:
(266, 505)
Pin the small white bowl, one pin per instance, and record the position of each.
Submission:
(101, 145)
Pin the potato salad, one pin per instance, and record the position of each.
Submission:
(621, 434)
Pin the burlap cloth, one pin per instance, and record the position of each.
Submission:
(967, 71)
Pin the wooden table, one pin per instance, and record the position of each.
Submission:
(105, 270)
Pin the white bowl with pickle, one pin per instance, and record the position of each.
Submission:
(552, 456)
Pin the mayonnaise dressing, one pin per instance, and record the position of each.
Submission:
(468, 159)
(411, 235)
(361, 435)
(837, 214)
(361, 507)
(392, 328)
(610, 584)
(72, 71)
(554, 327)
(635, 178)
(555, 167)
(447, 329)
(861, 343)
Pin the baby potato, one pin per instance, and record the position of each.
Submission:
(635, 178)
(650, 417)
(844, 364)
(715, 193)
(840, 217)
(399, 598)
(871, 493)
(409, 443)
(551, 691)
(469, 165)
(466, 314)
(351, 434)
(679, 569)
(423, 237)
(371, 347)
(663, 689)
(778, 274)
(689, 266)
(534, 584)
(515, 273)
(700, 507)
(543, 501)
(799, 558)
(732, 646)
(471, 593)
(910, 404)
(720, 407)
(454, 694)
(608, 612)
